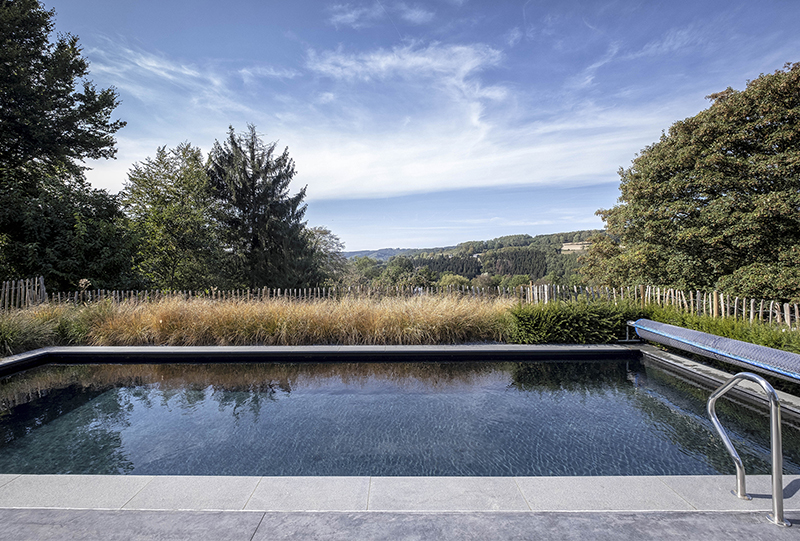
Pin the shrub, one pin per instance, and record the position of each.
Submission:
(573, 322)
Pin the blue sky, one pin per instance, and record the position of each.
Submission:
(427, 123)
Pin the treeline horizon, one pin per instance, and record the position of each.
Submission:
(507, 261)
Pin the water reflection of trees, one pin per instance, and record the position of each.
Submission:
(264, 378)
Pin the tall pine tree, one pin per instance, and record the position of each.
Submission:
(264, 222)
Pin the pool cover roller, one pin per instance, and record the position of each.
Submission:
(775, 362)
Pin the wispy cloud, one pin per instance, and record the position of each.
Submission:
(675, 40)
(250, 74)
(359, 16)
(452, 65)
(587, 75)
(414, 14)
(156, 79)
(458, 60)
(513, 36)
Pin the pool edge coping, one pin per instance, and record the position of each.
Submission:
(693, 493)
(179, 354)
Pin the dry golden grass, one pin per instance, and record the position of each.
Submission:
(417, 320)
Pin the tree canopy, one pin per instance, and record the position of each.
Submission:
(171, 212)
(716, 201)
(51, 222)
(44, 120)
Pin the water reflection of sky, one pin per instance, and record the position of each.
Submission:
(368, 419)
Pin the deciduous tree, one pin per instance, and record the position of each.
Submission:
(45, 122)
(172, 214)
(52, 118)
(716, 201)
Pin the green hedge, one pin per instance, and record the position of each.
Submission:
(573, 322)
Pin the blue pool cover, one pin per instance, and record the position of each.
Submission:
(772, 361)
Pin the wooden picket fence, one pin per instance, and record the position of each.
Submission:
(24, 293)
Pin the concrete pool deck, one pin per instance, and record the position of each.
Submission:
(174, 507)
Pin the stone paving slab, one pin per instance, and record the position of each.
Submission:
(196, 493)
(600, 494)
(311, 494)
(664, 493)
(72, 491)
(519, 526)
(445, 493)
(6, 478)
(713, 492)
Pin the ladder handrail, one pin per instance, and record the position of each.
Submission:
(776, 444)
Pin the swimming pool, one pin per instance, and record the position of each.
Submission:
(369, 418)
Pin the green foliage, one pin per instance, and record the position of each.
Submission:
(554, 240)
(264, 224)
(573, 322)
(52, 222)
(501, 258)
(516, 280)
(463, 265)
(45, 123)
(327, 263)
(172, 214)
(515, 260)
(66, 231)
(400, 272)
(452, 280)
(486, 281)
(714, 202)
(368, 267)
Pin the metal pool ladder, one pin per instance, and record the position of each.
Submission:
(776, 517)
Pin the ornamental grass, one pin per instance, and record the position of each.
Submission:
(410, 321)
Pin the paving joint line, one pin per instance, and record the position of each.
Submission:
(661, 479)
(522, 494)
(137, 492)
(250, 497)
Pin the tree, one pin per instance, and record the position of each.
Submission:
(265, 224)
(328, 263)
(65, 232)
(44, 121)
(46, 128)
(716, 200)
(448, 279)
(172, 212)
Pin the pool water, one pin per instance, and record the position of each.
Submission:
(395, 419)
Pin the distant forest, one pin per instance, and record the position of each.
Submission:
(510, 260)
